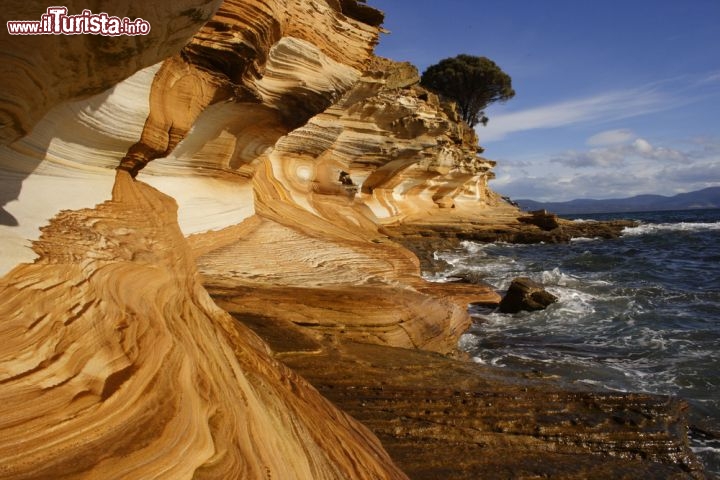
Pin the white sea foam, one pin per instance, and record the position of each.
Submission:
(603, 385)
(705, 449)
(495, 362)
(474, 248)
(612, 328)
(492, 320)
(589, 381)
(556, 277)
(584, 239)
(436, 277)
(647, 228)
(468, 341)
(573, 303)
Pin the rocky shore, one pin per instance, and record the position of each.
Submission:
(440, 417)
(444, 232)
(206, 265)
(443, 416)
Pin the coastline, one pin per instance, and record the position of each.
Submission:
(202, 248)
(444, 416)
(424, 238)
(638, 313)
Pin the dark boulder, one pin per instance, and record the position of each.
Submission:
(526, 294)
(541, 218)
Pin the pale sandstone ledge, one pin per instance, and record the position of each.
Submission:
(115, 361)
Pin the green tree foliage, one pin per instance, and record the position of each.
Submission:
(472, 82)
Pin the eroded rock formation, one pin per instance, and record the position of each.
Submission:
(270, 56)
(40, 71)
(331, 268)
(407, 153)
(264, 159)
(116, 364)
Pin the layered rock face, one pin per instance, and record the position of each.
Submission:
(405, 153)
(40, 71)
(115, 362)
(314, 253)
(168, 194)
(67, 160)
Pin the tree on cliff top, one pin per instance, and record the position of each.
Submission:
(472, 82)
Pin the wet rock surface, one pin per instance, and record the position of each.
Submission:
(425, 238)
(526, 294)
(445, 418)
(541, 218)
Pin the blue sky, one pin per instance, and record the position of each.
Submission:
(613, 98)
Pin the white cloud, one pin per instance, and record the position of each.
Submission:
(704, 172)
(661, 95)
(618, 155)
(642, 146)
(615, 162)
(610, 137)
(602, 107)
(598, 157)
(617, 171)
(712, 77)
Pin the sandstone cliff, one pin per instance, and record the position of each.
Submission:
(258, 152)
(115, 362)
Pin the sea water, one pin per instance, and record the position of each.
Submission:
(638, 313)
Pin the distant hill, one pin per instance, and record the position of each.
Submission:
(705, 198)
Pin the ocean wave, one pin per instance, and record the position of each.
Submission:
(557, 277)
(474, 248)
(572, 303)
(648, 228)
(638, 313)
(705, 449)
(603, 385)
(468, 342)
(584, 239)
(436, 277)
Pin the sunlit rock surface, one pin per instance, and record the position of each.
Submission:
(116, 363)
(315, 254)
(249, 171)
(68, 161)
(39, 71)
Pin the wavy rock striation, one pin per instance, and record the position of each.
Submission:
(115, 363)
(333, 270)
(121, 366)
(63, 67)
(266, 55)
(404, 152)
(266, 161)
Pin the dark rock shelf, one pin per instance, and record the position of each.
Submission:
(440, 417)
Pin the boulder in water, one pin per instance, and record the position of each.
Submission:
(526, 294)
